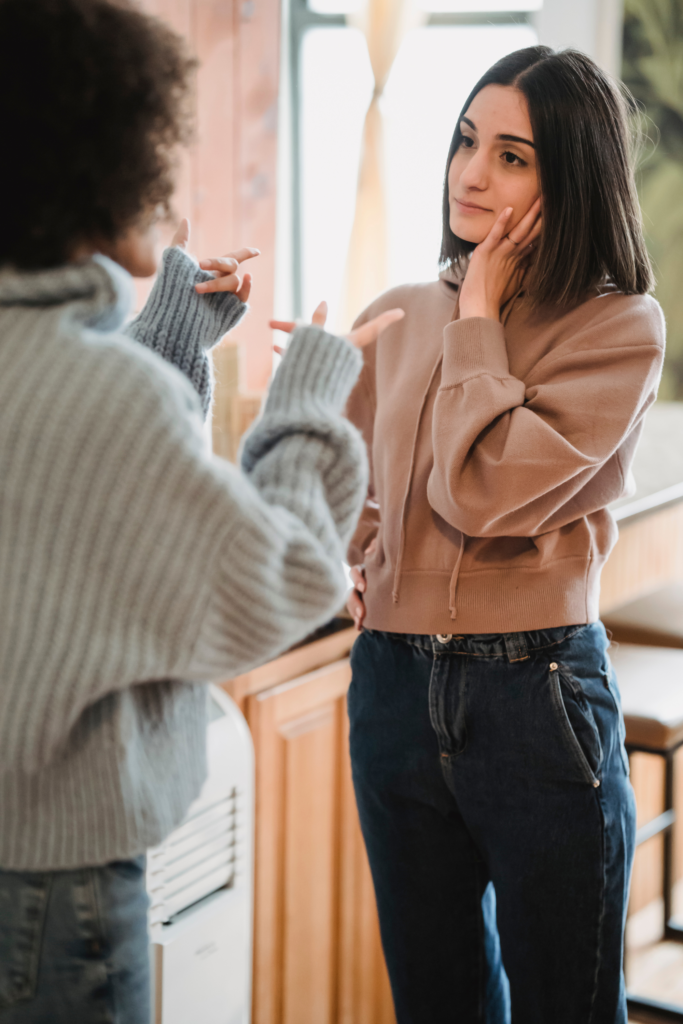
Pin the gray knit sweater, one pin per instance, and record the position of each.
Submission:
(134, 564)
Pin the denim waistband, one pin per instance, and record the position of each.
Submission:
(513, 646)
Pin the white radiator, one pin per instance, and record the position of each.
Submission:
(200, 882)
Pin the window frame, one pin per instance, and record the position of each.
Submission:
(301, 19)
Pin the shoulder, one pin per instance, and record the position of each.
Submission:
(131, 369)
(625, 319)
(607, 320)
(428, 307)
(413, 298)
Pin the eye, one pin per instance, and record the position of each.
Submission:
(467, 142)
(513, 159)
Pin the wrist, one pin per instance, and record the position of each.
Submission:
(477, 309)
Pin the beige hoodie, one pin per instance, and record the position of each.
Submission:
(494, 451)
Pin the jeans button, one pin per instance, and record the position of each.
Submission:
(444, 638)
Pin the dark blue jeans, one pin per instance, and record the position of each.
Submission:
(74, 946)
(495, 759)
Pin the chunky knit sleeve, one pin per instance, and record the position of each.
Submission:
(181, 325)
(281, 573)
(150, 558)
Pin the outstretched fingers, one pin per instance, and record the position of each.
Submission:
(182, 235)
(245, 291)
(370, 331)
(320, 315)
(225, 283)
(228, 263)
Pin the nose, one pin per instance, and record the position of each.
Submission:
(475, 173)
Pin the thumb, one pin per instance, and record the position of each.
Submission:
(182, 235)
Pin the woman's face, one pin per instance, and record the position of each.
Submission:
(495, 166)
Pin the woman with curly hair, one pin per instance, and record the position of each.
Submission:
(134, 565)
(501, 416)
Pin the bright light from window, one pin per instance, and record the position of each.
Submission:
(429, 82)
(433, 6)
(432, 75)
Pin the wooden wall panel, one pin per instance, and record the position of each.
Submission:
(364, 990)
(215, 156)
(648, 554)
(647, 777)
(256, 110)
(227, 183)
(317, 952)
(310, 868)
(296, 734)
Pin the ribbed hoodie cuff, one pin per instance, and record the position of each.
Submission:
(174, 303)
(317, 371)
(473, 347)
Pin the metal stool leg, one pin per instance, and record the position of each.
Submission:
(672, 931)
(651, 1011)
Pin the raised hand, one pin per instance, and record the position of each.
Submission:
(498, 264)
(225, 269)
(362, 336)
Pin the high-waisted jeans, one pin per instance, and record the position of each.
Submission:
(495, 763)
(74, 947)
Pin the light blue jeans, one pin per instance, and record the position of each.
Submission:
(74, 946)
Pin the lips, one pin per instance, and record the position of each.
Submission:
(470, 207)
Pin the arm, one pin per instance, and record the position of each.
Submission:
(181, 325)
(280, 574)
(511, 460)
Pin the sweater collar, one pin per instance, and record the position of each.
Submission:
(99, 290)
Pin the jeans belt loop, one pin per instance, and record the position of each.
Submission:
(515, 646)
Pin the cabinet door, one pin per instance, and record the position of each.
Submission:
(317, 957)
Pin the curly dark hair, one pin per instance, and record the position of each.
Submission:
(94, 99)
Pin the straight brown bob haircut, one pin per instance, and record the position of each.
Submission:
(592, 231)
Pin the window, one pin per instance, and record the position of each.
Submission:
(331, 88)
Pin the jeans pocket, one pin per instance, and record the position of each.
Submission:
(578, 725)
(23, 904)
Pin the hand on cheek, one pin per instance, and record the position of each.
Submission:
(498, 264)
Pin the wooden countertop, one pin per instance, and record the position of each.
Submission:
(305, 658)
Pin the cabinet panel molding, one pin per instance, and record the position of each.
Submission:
(317, 955)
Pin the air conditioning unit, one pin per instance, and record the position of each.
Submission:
(200, 883)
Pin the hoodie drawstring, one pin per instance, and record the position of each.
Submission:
(453, 586)
(411, 470)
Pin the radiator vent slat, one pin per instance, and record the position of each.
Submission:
(200, 857)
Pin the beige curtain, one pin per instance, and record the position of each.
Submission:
(384, 24)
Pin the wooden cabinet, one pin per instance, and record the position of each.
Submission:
(317, 952)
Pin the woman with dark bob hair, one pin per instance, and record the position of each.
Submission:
(501, 417)
(134, 564)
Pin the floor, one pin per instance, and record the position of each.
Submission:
(654, 968)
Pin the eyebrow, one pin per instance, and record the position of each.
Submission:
(502, 138)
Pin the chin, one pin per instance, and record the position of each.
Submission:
(145, 268)
(468, 232)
